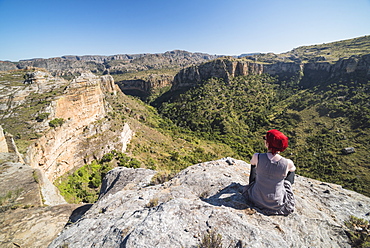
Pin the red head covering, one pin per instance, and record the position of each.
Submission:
(276, 140)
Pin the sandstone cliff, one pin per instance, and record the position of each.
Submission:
(82, 137)
(310, 73)
(145, 86)
(61, 125)
(206, 198)
(32, 212)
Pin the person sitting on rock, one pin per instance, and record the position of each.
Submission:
(271, 177)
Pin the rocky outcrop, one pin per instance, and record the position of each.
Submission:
(145, 86)
(70, 128)
(7, 66)
(81, 137)
(227, 68)
(34, 227)
(353, 68)
(204, 199)
(309, 73)
(36, 81)
(60, 66)
(24, 220)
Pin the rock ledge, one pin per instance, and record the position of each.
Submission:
(207, 197)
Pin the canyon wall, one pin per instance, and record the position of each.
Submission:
(84, 134)
(147, 85)
(311, 73)
(227, 68)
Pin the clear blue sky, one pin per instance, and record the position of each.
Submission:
(53, 28)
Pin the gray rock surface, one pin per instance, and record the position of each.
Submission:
(24, 220)
(34, 227)
(206, 198)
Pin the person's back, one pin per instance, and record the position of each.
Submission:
(271, 177)
(270, 191)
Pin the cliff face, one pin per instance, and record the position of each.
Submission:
(206, 198)
(3, 143)
(82, 137)
(357, 67)
(312, 72)
(145, 86)
(7, 66)
(228, 68)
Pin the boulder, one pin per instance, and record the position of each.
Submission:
(205, 199)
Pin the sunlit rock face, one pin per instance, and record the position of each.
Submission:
(308, 73)
(83, 134)
(207, 198)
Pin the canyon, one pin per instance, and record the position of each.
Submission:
(70, 122)
(83, 134)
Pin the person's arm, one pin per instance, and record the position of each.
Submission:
(254, 162)
(291, 167)
(290, 175)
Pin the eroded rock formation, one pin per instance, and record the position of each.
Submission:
(81, 137)
(317, 72)
(147, 85)
(206, 198)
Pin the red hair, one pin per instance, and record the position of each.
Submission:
(276, 141)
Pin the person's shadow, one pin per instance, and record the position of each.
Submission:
(231, 197)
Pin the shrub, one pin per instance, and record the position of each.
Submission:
(358, 231)
(57, 122)
(41, 117)
(211, 240)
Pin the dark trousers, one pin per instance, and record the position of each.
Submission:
(252, 175)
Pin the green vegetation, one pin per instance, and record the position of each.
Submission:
(144, 74)
(83, 185)
(320, 122)
(57, 122)
(41, 117)
(333, 51)
(228, 112)
(160, 144)
(8, 201)
(358, 232)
